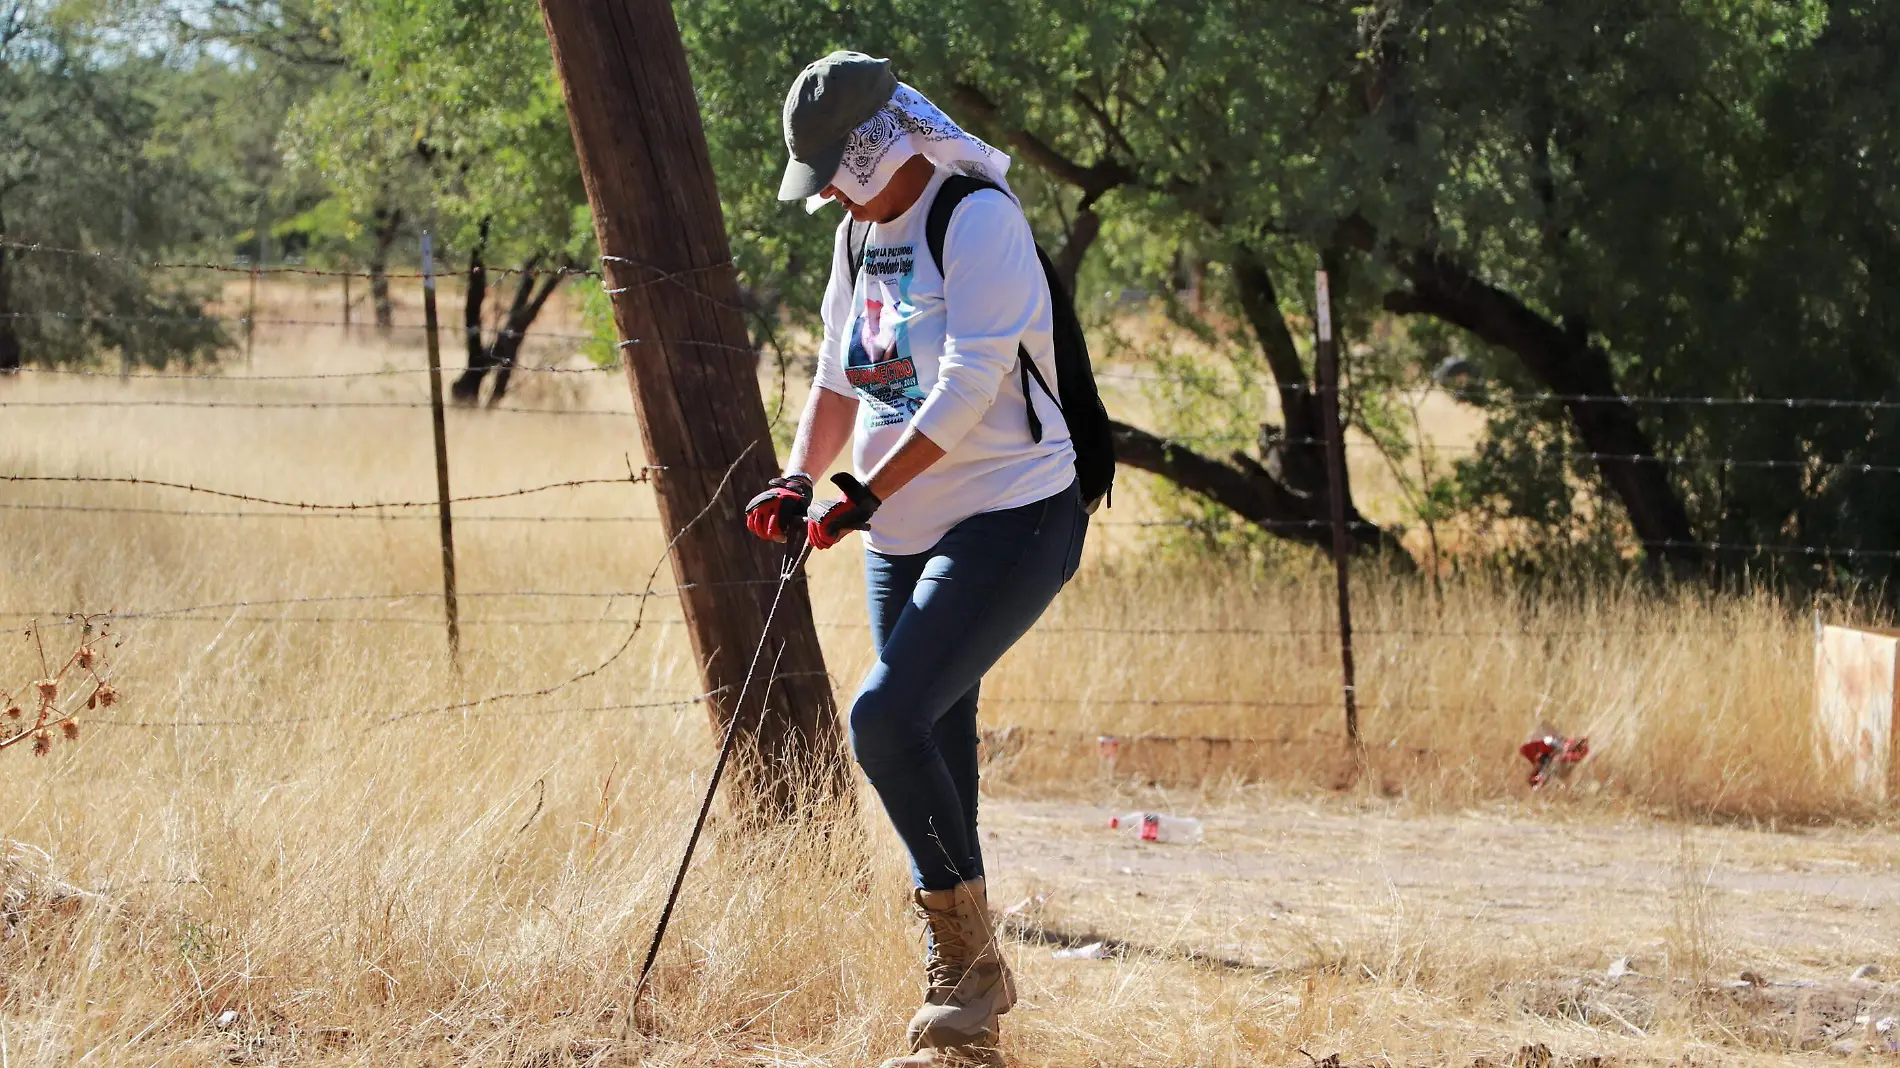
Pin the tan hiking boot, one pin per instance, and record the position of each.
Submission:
(970, 984)
(986, 1053)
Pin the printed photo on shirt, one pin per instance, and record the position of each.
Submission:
(877, 359)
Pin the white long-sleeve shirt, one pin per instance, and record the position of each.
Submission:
(938, 351)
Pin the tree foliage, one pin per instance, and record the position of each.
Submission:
(97, 154)
(449, 110)
(452, 104)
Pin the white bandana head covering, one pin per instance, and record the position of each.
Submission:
(907, 126)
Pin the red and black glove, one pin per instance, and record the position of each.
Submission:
(829, 521)
(774, 514)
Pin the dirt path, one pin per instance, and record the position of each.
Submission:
(1280, 883)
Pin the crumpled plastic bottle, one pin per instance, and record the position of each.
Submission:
(1155, 827)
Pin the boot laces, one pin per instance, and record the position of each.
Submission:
(949, 956)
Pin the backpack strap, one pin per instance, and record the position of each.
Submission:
(856, 236)
(952, 192)
(1028, 371)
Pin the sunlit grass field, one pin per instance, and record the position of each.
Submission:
(278, 826)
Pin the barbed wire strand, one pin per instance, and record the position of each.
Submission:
(248, 321)
(676, 276)
(610, 596)
(240, 320)
(999, 736)
(246, 379)
(316, 510)
(318, 516)
(644, 475)
(261, 406)
(366, 516)
(284, 721)
(283, 269)
(1481, 396)
(633, 632)
(1729, 462)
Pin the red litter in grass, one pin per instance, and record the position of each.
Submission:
(1550, 753)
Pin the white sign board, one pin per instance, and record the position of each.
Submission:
(1854, 705)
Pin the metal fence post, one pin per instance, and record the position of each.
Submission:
(441, 447)
(1327, 360)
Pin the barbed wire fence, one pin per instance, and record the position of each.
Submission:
(362, 609)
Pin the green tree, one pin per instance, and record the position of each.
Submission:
(84, 165)
(449, 110)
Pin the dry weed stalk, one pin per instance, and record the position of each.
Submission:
(54, 694)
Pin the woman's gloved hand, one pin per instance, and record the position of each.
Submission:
(774, 514)
(829, 521)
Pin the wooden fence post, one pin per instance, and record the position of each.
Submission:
(694, 375)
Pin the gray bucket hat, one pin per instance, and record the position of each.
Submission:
(831, 98)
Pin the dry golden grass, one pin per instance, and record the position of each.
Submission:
(290, 878)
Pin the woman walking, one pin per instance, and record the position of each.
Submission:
(965, 490)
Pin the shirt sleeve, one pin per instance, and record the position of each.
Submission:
(836, 313)
(993, 289)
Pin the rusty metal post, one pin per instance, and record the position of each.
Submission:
(441, 447)
(250, 321)
(1327, 373)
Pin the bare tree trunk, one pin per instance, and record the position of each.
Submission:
(1297, 453)
(1573, 368)
(521, 315)
(468, 385)
(1082, 234)
(386, 225)
(532, 290)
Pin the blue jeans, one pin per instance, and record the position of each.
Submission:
(940, 619)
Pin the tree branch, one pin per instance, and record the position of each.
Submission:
(13, 25)
(1110, 127)
(1249, 491)
(1566, 365)
(1260, 303)
(1083, 231)
(1094, 180)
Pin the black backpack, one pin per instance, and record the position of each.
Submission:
(1079, 401)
